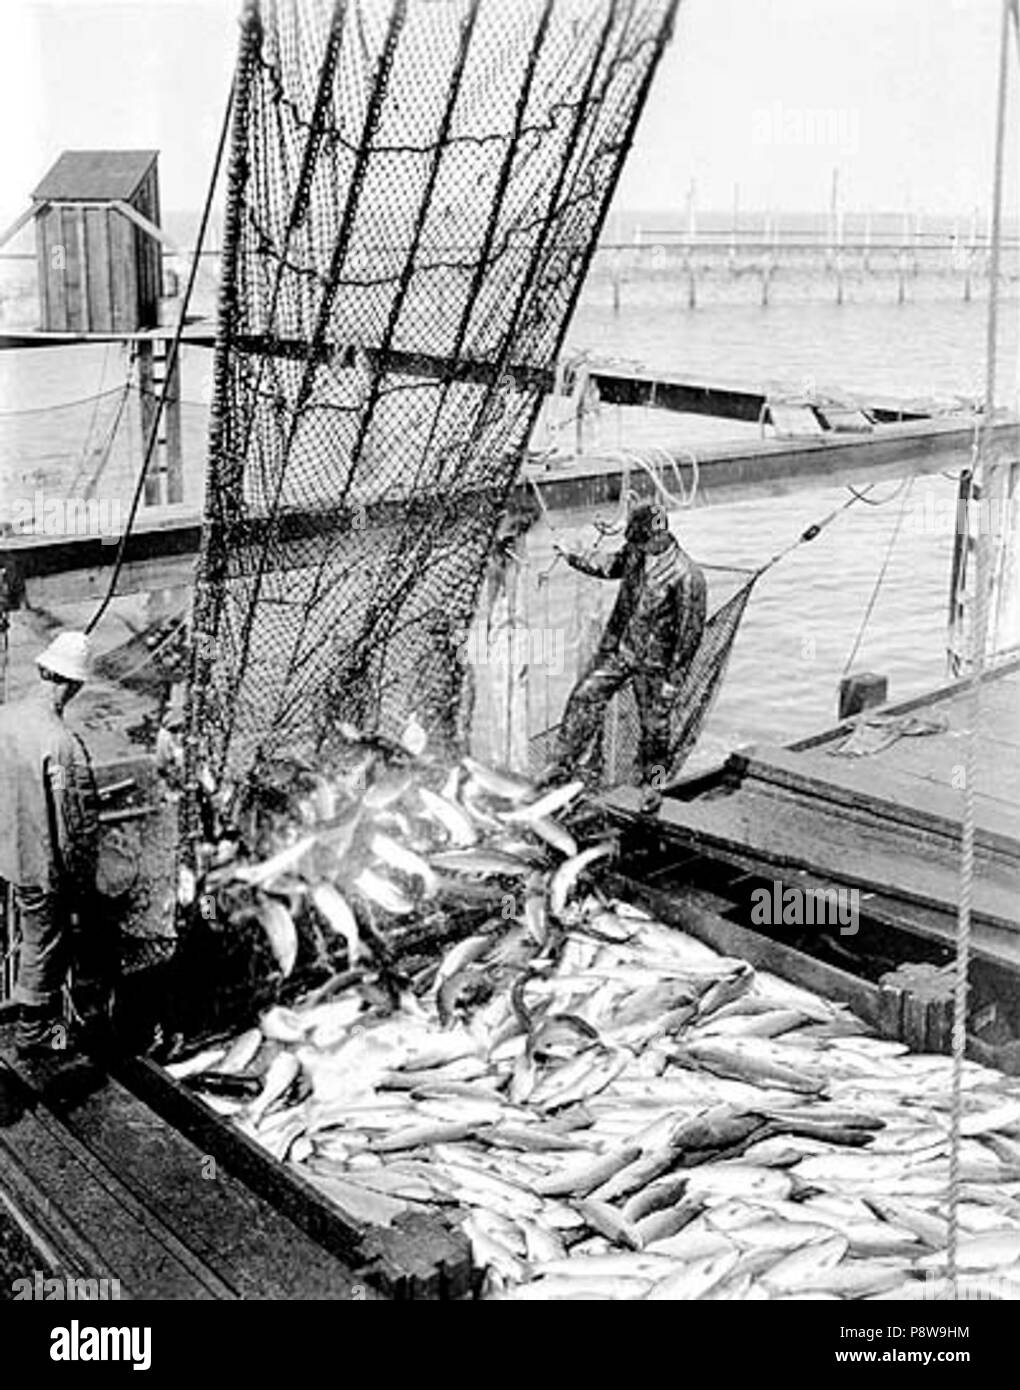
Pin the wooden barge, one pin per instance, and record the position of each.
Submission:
(872, 806)
(111, 1168)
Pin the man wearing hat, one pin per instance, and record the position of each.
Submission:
(48, 835)
(652, 634)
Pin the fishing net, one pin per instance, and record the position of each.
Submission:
(695, 697)
(414, 194)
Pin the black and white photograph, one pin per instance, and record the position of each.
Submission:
(510, 668)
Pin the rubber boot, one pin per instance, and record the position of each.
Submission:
(40, 1033)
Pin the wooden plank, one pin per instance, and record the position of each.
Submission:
(997, 689)
(122, 263)
(87, 1211)
(990, 944)
(149, 229)
(731, 939)
(883, 1009)
(56, 271)
(867, 784)
(97, 251)
(255, 1250)
(998, 775)
(42, 267)
(776, 467)
(418, 1257)
(147, 397)
(670, 392)
(172, 432)
(11, 231)
(74, 271)
(110, 319)
(572, 489)
(82, 256)
(777, 831)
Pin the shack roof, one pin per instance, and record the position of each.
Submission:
(95, 175)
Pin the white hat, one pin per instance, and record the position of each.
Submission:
(67, 656)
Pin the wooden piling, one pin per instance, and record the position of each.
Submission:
(147, 402)
(917, 1006)
(172, 431)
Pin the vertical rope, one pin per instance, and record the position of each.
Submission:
(879, 580)
(171, 363)
(977, 649)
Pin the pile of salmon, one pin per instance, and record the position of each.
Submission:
(611, 1108)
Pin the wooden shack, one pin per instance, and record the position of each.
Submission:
(97, 242)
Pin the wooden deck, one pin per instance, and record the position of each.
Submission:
(887, 823)
(103, 1188)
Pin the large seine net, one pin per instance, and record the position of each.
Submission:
(414, 193)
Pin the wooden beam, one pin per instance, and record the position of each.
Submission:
(616, 387)
(909, 801)
(731, 939)
(143, 223)
(62, 569)
(12, 231)
(197, 333)
(668, 392)
(423, 1257)
(779, 832)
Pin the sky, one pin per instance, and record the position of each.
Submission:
(755, 99)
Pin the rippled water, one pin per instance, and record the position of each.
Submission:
(803, 618)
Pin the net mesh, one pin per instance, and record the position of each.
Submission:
(615, 761)
(415, 190)
(695, 696)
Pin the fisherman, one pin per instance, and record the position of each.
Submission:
(652, 634)
(48, 836)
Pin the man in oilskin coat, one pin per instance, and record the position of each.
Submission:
(653, 632)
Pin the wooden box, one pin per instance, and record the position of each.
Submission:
(100, 270)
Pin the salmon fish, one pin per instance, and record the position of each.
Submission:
(694, 1280)
(569, 872)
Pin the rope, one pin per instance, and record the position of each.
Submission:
(645, 458)
(977, 651)
(95, 408)
(111, 435)
(881, 501)
(810, 533)
(61, 405)
(150, 656)
(171, 365)
(881, 573)
(104, 458)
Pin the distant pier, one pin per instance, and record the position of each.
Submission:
(771, 265)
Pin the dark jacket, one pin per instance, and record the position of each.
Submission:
(659, 614)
